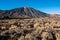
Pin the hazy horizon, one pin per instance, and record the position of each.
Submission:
(47, 6)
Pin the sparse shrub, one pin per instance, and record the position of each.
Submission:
(30, 29)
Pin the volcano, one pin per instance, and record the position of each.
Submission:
(23, 12)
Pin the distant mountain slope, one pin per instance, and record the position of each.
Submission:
(54, 15)
(23, 12)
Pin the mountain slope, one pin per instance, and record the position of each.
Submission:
(23, 12)
(55, 15)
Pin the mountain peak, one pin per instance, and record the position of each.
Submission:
(26, 7)
(23, 12)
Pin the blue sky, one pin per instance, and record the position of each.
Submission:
(47, 6)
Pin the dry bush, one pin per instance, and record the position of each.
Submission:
(30, 29)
